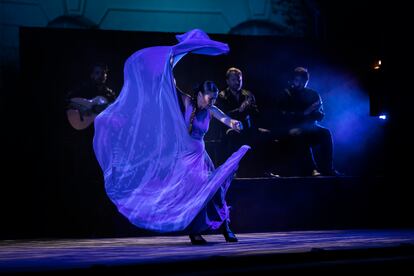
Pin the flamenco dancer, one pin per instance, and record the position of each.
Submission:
(156, 169)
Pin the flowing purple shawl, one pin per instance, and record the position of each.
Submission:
(155, 172)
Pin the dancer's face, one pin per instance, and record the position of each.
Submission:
(206, 99)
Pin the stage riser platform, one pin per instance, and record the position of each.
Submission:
(257, 205)
(260, 205)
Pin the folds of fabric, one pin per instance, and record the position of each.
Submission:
(156, 174)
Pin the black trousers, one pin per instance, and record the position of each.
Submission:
(315, 143)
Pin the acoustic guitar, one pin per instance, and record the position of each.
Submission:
(82, 112)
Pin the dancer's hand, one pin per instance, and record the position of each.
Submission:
(236, 125)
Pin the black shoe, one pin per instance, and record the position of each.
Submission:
(197, 240)
(227, 233)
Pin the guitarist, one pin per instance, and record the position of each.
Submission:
(89, 99)
(87, 198)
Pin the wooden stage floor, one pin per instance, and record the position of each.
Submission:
(255, 253)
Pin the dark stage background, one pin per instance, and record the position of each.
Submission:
(55, 192)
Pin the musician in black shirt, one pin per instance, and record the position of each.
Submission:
(240, 104)
(91, 208)
(300, 110)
